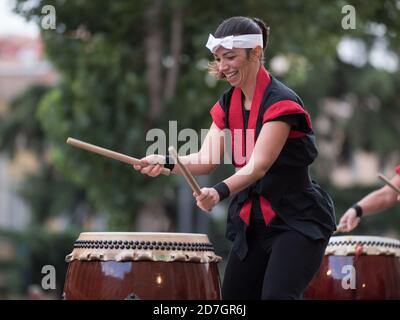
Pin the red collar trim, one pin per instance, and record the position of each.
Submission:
(241, 153)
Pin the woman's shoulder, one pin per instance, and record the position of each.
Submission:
(280, 91)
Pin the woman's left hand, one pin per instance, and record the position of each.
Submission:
(208, 198)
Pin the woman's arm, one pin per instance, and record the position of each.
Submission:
(374, 202)
(381, 199)
(268, 146)
(209, 156)
(200, 163)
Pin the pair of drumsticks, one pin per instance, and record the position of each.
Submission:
(185, 172)
(131, 160)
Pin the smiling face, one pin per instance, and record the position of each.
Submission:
(236, 65)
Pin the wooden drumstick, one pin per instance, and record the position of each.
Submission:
(185, 172)
(388, 182)
(108, 153)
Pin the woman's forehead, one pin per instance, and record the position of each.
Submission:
(221, 51)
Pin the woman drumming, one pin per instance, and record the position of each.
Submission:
(279, 220)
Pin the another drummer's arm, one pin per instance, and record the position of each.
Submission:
(269, 144)
(381, 199)
(209, 156)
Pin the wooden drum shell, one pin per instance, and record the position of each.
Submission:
(358, 268)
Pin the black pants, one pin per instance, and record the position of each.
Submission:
(279, 265)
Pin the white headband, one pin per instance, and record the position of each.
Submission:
(229, 42)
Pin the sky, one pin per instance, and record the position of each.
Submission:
(13, 24)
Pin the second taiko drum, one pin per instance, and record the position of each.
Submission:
(358, 268)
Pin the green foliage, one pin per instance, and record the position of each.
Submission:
(32, 251)
(47, 191)
(10, 263)
(20, 123)
(48, 248)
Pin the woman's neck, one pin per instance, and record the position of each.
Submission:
(249, 87)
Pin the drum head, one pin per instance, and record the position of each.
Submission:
(369, 245)
(136, 246)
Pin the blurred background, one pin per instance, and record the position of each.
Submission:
(106, 72)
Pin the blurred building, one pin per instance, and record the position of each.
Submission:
(362, 167)
(22, 64)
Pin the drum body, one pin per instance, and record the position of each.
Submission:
(142, 266)
(358, 268)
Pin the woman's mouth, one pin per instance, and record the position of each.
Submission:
(229, 76)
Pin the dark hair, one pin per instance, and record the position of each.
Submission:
(235, 26)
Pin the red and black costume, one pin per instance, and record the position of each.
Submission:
(285, 199)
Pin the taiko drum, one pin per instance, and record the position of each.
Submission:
(358, 268)
(142, 265)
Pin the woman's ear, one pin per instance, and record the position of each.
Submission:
(256, 53)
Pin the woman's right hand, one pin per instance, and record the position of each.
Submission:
(151, 165)
(348, 221)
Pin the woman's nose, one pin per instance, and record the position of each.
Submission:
(222, 66)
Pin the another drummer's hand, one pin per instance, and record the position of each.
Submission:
(151, 165)
(208, 198)
(348, 221)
